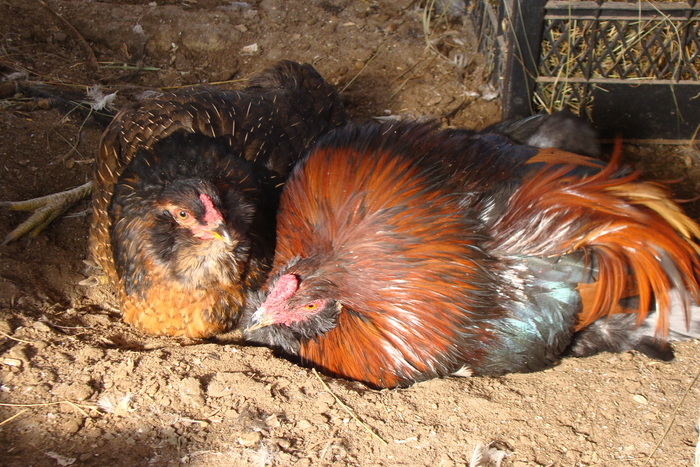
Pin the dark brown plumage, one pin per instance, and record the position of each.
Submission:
(186, 188)
(562, 130)
(406, 253)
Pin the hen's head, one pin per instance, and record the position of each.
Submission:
(201, 238)
(188, 211)
(184, 231)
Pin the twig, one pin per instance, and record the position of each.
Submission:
(697, 446)
(73, 148)
(86, 46)
(15, 339)
(328, 445)
(13, 417)
(46, 404)
(410, 68)
(125, 66)
(348, 409)
(426, 20)
(673, 419)
(456, 110)
(328, 440)
(213, 83)
(362, 70)
(78, 140)
(406, 80)
(78, 408)
(192, 420)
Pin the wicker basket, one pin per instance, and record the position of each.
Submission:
(630, 67)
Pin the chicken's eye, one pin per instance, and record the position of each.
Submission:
(182, 214)
(311, 306)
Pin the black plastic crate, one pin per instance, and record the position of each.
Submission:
(630, 67)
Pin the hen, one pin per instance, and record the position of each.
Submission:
(185, 194)
(406, 252)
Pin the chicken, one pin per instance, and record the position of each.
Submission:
(186, 190)
(405, 252)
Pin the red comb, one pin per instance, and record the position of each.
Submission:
(285, 287)
(211, 214)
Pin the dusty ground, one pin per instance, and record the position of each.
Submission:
(79, 387)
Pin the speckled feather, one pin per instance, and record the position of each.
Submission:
(267, 126)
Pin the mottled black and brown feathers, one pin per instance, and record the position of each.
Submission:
(406, 252)
(234, 149)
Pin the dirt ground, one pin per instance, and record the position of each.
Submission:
(78, 387)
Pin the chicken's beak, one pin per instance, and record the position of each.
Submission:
(255, 327)
(261, 320)
(220, 232)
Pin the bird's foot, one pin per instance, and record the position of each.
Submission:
(95, 275)
(94, 280)
(46, 209)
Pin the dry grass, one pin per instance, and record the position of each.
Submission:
(586, 50)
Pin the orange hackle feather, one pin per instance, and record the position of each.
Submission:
(406, 253)
(347, 210)
(643, 243)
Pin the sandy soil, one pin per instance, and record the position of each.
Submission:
(78, 387)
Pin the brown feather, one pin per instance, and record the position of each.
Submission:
(269, 124)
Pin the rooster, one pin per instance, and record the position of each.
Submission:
(406, 252)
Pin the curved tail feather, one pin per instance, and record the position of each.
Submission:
(642, 242)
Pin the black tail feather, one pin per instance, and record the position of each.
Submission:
(620, 333)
